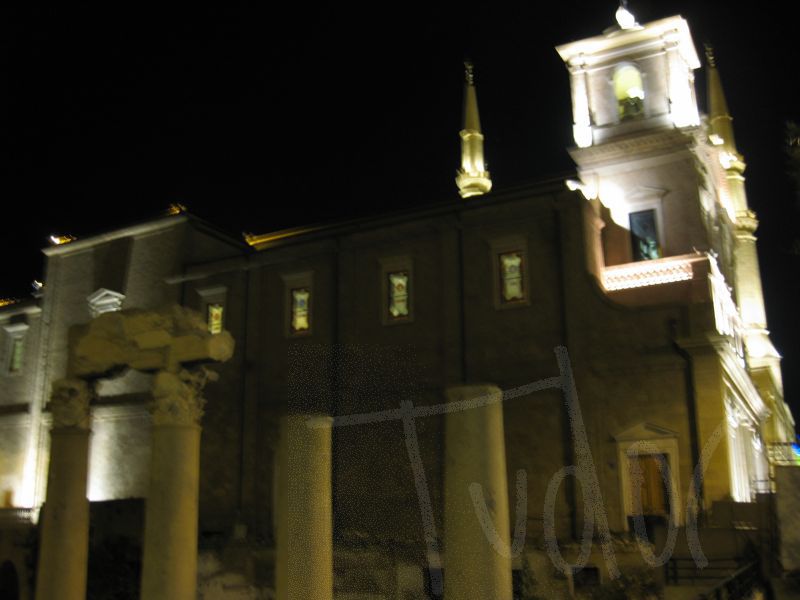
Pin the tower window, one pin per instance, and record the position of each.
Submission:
(629, 90)
(511, 283)
(644, 235)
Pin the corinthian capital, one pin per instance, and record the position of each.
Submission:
(177, 397)
(69, 403)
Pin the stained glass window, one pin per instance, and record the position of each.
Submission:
(511, 286)
(398, 295)
(644, 235)
(15, 362)
(215, 314)
(301, 302)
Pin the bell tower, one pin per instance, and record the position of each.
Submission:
(635, 124)
(667, 197)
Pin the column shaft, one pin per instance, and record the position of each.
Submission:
(305, 516)
(475, 453)
(64, 553)
(64, 550)
(169, 569)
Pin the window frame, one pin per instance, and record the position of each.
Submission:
(210, 296)
(396, 264)
(646, 438)
(507, 245)
(291, 282)
(14, 332)
(653, 203)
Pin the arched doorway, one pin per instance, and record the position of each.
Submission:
(9, 583)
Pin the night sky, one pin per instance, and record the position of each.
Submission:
(266, 119)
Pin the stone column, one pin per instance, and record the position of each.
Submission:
(64, 550)
(304, 512)
(475, 453)
(169, 569)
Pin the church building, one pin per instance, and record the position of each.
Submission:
(514, 393)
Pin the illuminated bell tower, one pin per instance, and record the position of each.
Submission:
(635, 121)
(668, 220)
(472, 178)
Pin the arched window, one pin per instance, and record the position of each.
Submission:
(629, 90)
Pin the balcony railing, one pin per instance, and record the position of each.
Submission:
(784, 454)
(17, 515)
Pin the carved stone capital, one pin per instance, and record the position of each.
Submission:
(69, 403)
(177, 397)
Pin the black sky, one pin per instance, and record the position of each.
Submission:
(263, 119)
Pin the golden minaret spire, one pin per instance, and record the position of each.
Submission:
(472, 179)
(761, 354)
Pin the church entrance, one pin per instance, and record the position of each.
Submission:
(653, 496)
(651, 503)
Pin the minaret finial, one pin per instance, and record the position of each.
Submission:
(469, 72)
(473, 177)
(712, 62)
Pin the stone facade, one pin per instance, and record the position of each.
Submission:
(656, 363)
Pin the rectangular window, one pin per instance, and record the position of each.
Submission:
(301, 310)
(512, 288)
(644, 235)
(397, 289)
(215, 318)
(212, 301)
(398, 295)
(298, 298)
(16, 351)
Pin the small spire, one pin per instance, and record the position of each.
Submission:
(719, 119)
(473, 178)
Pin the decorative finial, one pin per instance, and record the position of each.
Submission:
(469, 72)
(625, 18)
(175, 208)
(712, 62)
(57, 240)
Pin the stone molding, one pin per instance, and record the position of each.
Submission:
(69, 404)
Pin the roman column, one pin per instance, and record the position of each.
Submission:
(475, 454)
(304, 528)
(169, 569)
(64, 552)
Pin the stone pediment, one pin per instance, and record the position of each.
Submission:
(644, 431)
(103, 300)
